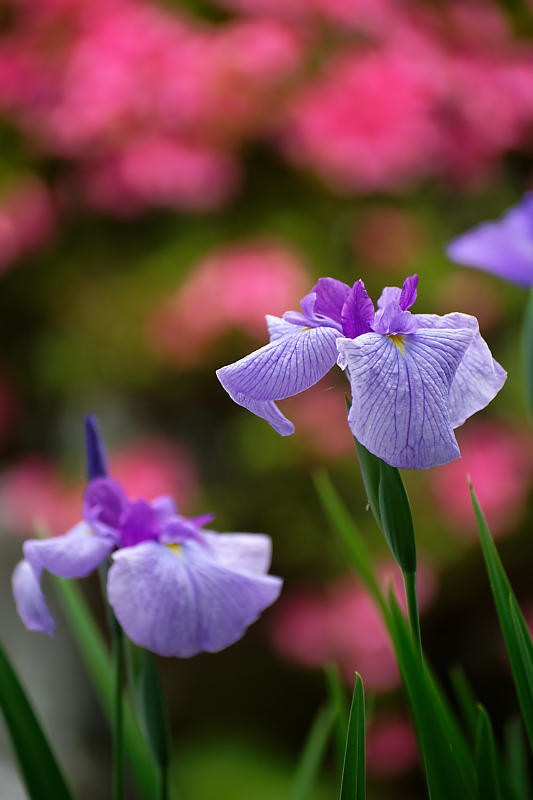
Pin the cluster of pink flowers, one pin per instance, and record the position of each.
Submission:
(149, 107)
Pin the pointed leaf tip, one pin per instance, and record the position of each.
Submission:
(95, 451)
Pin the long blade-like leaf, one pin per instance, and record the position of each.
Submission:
(516, 636)
(354, 772)
(339, 701)
(38, 766)
(313, 753)
(396, 519)
(153, 710)
(97, 662)
(349, 535)
(488, 783)
(449, 768)
(516, 758)
(465, 699)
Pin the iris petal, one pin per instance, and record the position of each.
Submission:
(285, 367)
(29, 599)
(73, 555)
(504, 248)
(246, 552)
(400, 394)
(479, 377)
(180, 603)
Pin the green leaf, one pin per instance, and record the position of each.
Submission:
(516, 636)
(153, 710)
(370, 465)
(488, 782)
(396, 518)
(353, 774)
(448, 764)
(95, 656)
(339, 701)
(313, 753)
(527, 352)
(516, 759)
(349, 535)
(465, 699)
(38, 766)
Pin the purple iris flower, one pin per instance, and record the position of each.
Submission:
(175, 588)
(414, 377)
(504, 248)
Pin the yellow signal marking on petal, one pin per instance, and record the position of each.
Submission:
(398, 339)
(176, 548)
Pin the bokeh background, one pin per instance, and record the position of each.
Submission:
(169, 173)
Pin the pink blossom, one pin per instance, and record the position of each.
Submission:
(390, 745)
(157, 172)
(498, 460)
(342, 624)
(320, 419)
(234, 287)
(27, 219)
(367, 123)
(33, 493)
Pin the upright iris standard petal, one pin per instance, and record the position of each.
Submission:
(357, 313)
(400, 388)
(479, 377)
(95, 451)
(29, 599)
(285, 367)
(180, 601)
(104, 502)
(504, 247)
(73, 555)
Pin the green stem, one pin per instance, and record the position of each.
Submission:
(163, 783)
(409, 579)
(118, 744)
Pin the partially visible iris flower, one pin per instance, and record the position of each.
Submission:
(504, 247)
(175, 588)
(414, 377)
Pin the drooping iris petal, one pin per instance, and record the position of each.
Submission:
(285, 367)
(400, 389)
(180, 602)
(104, 502)
(479, 377)
(279, 327)
(246, 552)
(29, 599)
(73, 555)
(357, 313)
(504, 248)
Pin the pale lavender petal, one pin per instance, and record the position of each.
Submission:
(164, 506)
(390, 294)
(504, 248)
(280, 369)
(357, 313)
(479, 377)
(29, 599)
(390, 320)
(104, 502)
(245, 552)
(279, 327)
(408, 293)
(400, 394)
(180, 602)
(73, 555)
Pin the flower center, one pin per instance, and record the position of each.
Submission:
(398, 339)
